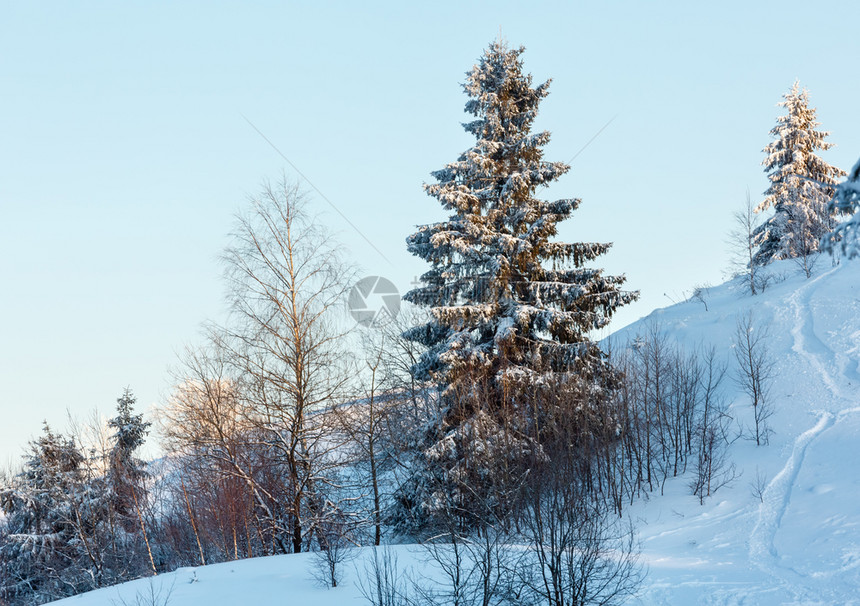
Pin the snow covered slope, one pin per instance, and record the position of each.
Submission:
(798, 544)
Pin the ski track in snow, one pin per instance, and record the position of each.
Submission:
(776, 498)
(806, 342)
(777, 494)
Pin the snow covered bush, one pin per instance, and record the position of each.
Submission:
(580, 551)
(39, 542)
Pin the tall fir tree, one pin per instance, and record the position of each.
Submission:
(511, 309)
(801, 184)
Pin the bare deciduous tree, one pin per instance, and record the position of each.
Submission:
(287, 280)
(758, 485)
(743, 247)
(249, 402)
(334, 549)
(755, 371)
(363, 423)
(205, 422)
(713, 469)
(670, 414)
(398, 359)
(380, 423)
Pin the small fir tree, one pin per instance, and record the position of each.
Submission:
(126, 472)
(801, 184)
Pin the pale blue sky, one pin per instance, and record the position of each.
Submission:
(124, 154)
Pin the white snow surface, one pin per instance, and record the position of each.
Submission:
(799, 544)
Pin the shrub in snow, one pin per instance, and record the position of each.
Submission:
(672, 418)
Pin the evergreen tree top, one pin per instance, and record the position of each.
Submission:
(131, 429)
(504, 165)
(790, 158)
(500, 95)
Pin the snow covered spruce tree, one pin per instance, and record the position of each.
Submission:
(126, 474)
(846, 236)
(39, 542)
(511, 308)
(801, 184)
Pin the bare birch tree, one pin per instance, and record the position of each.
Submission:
(288, 278)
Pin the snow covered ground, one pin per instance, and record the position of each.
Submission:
(797, 544)
(287, 579)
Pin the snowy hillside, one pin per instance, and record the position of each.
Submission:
(796, 543)
(801, 545)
